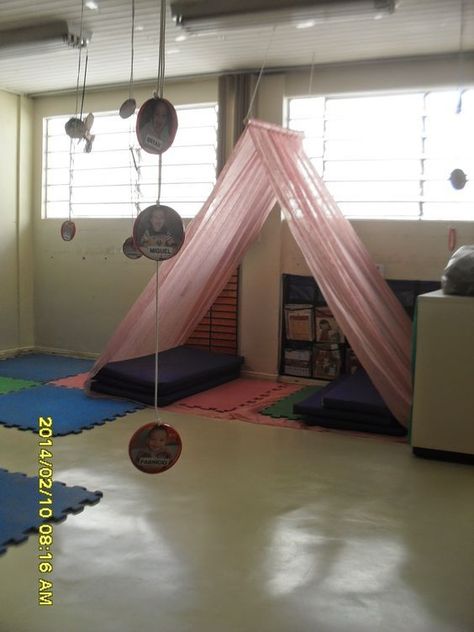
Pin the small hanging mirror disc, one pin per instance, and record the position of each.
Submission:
(458, 179)
(127, 108)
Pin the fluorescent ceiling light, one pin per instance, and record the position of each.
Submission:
(306, 25)
(198, 16)
(42, 38)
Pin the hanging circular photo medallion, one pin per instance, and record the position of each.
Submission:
(458, 179)
(130, 250)
(157, 124)
(68, 230)
(154, 448)
(158, 232)
(127, 108)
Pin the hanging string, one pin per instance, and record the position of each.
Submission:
(157, 286)
(78, 78)
(260, 75)
(461, 58)
(310, 87)
(80, 57)
(132, 50)
(160, 80)
(135, 192)
(160, 77)
(84, 84)
(133, 178)
(131, 174)
(71, 175)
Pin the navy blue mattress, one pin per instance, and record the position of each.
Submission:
(376, 417)
(355, 393)
(182, 371)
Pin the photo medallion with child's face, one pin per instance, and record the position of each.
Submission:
(130, 250)
(154, 448)
(157, 124)
(68, 230)
(158, 232)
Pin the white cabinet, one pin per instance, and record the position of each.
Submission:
(443, 401)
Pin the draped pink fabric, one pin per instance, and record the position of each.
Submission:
(268, 164)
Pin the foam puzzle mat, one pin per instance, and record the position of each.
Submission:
(283, 408)
(70, 408)
(42, 367)
(233, 395)
(11, 385)
(19, 501)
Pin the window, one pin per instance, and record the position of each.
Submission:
(105, 182)
(390, 156)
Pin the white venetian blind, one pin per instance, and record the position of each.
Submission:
(390, 156)
(105, 183)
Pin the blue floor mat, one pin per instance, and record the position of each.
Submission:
(71, 410)
(42, 367)
(19, 502)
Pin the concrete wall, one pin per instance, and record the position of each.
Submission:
(407, 249)
(16, 241)
(83, 288)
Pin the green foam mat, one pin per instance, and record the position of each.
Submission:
(11, 385)
(283, 408)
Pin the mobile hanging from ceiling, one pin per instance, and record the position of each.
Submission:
(158, 234)
(77, 127)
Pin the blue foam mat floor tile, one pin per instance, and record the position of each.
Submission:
(19, 502)
(43, 367)
(70, 408)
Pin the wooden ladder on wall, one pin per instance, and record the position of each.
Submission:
(218, 330)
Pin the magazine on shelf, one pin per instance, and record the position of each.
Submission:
(299, 322)
(298, 362)
(327, 361)
(327, 329)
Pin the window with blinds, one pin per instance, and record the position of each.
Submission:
(117, 176)
(390, 156)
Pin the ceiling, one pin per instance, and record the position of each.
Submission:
(417, 28)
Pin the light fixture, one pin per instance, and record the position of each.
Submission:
(42, 38)
(307, 24)
(198, 16)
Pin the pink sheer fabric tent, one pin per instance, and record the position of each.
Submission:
(269, 165)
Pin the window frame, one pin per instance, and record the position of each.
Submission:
(422, 215)
(149, 158)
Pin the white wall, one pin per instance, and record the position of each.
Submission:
(83, 288)
(407, 249)
(16, 316)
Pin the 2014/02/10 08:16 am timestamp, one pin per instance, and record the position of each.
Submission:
(45, 511)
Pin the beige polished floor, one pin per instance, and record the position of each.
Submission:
(256, 529)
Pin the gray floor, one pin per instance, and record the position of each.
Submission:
(256, 529)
